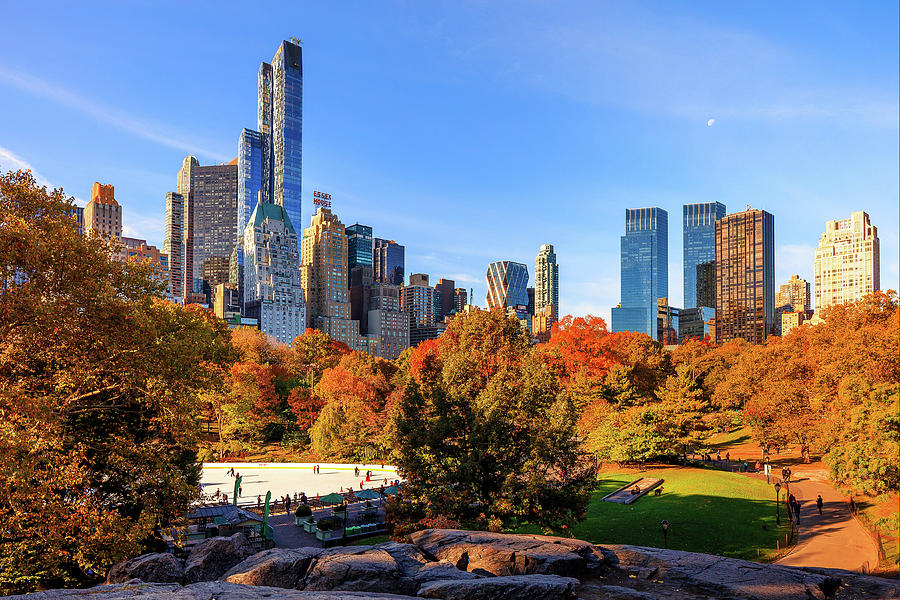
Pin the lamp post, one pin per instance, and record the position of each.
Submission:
(665, 528)
(777, 510)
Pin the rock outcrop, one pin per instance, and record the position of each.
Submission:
(212, 558)
(161, 568)
(456, 565)
(504, 554)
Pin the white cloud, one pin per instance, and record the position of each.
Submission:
(9, 161)
(121, 120)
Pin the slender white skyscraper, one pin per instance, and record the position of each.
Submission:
(546, 281)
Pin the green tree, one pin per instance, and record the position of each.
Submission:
(483, 435)
(99, 386)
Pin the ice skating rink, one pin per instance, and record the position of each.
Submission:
(290, 478)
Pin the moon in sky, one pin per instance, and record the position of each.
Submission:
(710, 122)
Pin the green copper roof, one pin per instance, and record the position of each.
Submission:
(264, 211)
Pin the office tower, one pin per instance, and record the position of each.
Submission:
(386, 323)
(546, 281)
(848, 261)
(273, 293)
(446, 289)
(700, 252)
(745, 276)
(210, 225)
(359, 252)
(227, 305)
(389, 260)
(530, 306)
(79, 218)
(422, 303)
(460, 299)
(250, 168)
(507, 285)
(280, 124)
(103, 214)
(644, 270)
(323, 271)
(173, 243)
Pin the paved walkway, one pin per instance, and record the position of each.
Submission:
(833, 540)
(288, 535)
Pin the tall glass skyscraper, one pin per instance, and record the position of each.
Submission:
(249, 177)
(507, 284)
(700, 251)
(359, 246)
(389, 260)
(645, 270)
(280, 123)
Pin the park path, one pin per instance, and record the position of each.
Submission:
(833, 539)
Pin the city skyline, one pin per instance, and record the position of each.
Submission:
(807, 160)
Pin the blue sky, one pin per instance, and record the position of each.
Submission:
(476, 131)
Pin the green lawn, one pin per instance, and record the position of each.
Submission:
(708, 511)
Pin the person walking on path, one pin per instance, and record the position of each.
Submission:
(287, 505)
(819, 504)
(718, 456)
(797, 511)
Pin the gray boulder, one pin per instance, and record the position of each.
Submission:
(199, 591)
(212, 558)
(278, 567)
(156, 568)
(365, 569)
(505, 554)
(725, 577)
(514, 587)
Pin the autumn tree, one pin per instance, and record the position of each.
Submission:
(99, 386)
(483, 436)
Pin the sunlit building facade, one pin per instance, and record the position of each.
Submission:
(103, 214)
(847, 261)
(389, 262)
(507, 285)
(745, 276)
(546, 281)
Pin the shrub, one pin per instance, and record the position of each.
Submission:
(303, 510)
(328, 524)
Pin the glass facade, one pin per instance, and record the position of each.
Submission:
(389, 260)
(644, 270)
(699, 249)
(745, 276)
(359, 246)
(249, 176)
(507, 284)
(287, 128)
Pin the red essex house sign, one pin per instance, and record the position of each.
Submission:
(322, 199)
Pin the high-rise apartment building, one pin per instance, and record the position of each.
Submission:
(847, 262)
(422, 303)
(791, 297)
(745, 276)
(324, 274)
(173, 243)
(273, 293)
(644, 270)
(446, 289)
(103, 214)
(280, 124)
(792, 293)
(250, 175)
(210, 224)
(546, 281)
(666, 322)
(386, 322)
(389, 260)
(460, 299)
(507, 285)
(700, 252)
